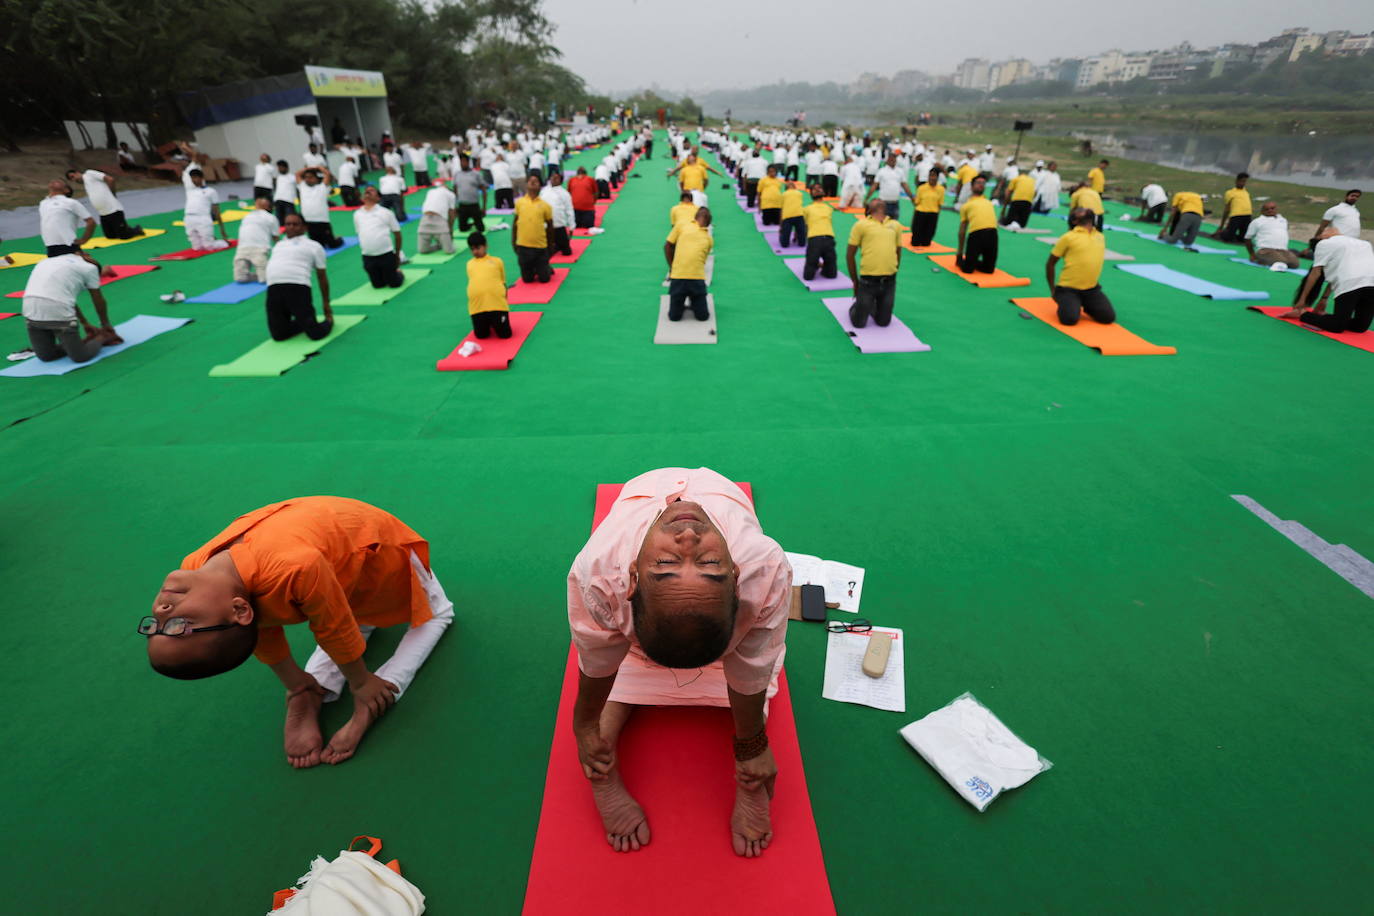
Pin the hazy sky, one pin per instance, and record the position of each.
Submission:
(620, 45)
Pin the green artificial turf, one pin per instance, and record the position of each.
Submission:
(1053, 529)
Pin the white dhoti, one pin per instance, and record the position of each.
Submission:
(411, 652)
(201, 234)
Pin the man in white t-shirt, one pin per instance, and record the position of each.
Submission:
(60, 219)
(391, 189)
(392, 159)
(100, 193)
(283, 192)
(290, 310)
(256, 233)
(1344, 218)
(418, 154)
(436, 219)
(264, 177)
(561, 202)
(348, 182)
(987, 162)
(830, 177)
(1153, 203)
(889, 185)
(313, 159)
(754, 168)
(501, 184)
(53, 320)
(379, 240)
(313, 189)
(1047, 189)
(851, 184)
(1266, 238)
(1347, 263)
(202, 217)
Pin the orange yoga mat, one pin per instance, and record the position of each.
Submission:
(677, 763)
(998, 279)
(932, 248)
(1108, 339)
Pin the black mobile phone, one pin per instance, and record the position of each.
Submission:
(813, 603)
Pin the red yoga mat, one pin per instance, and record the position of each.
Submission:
(120, 272)
(677, 763)
(190, 254)
(496, 353)
(523, 293)
(1362, 341)
(578, 246)
(4, 315)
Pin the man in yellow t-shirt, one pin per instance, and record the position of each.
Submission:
(1186, 219)
(1085, 197)
(820, 236)
(930, 196)
(964, 182)
(487, 305)
(770, 197)
(793, 231)
(1020, 194)
(874, 239)
(1082, 250)
(1097, 178)
(531, 233)
(686, 250)
(1236, 213)
(692, 173)
(686, 209)
(977, 231)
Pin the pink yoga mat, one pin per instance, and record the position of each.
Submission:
(819, 284)
(1362, 341)
(190, 254)
(677, 762)
(895, 338)
(523, 293)
(496, 353)
(578, 246)
(120, 272)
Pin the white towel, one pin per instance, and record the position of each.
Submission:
(974, 751)
(354, 884)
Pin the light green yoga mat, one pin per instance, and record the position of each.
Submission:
(273, 357)
(367, 294)
(460, 246)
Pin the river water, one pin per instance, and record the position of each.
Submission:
(1322, 161)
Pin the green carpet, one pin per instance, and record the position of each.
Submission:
(1052, 528)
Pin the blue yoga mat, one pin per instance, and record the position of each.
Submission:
(348, 242)
(1296, 271)
(1188, 283)
(230, 293)
(135, 331)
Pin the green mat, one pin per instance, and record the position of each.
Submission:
(273, 357)
(460, 246)
(367, 294)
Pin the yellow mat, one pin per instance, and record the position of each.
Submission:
(103, 242)
(229, 216)
(20, 259)
(1108, 339)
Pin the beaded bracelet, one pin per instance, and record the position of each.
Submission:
(749, 748)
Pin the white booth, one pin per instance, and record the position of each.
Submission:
(275, 115)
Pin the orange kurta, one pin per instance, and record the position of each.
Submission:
(331, 562)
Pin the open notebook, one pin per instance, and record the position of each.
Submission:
(843, 583)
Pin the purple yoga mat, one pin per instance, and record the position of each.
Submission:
(820, 284)
(498, 211)
(772, 239)
(895, 338)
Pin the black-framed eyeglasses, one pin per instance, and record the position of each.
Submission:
(857, 625)
(176, 626)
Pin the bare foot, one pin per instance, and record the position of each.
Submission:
(626, 827)
(303, 738)
(346, 740)
(750, 828)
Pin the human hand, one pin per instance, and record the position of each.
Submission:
(594, 753)
(374, 694)
(757, 772)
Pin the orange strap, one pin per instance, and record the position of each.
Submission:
(280, 897)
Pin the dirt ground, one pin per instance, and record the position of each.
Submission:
(24, 176)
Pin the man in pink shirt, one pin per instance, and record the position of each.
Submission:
(678, 598)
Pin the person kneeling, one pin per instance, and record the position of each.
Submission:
(1083, 250)
(340, 565)
(487, 305)
(379, 240)
(289, 309)
(1347, 264)
(686, 250)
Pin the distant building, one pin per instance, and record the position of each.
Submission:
(1354, 46)
(972, 74)
(1305, 43)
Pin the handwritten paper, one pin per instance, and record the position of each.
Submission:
(845, 680)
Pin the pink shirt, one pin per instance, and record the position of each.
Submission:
(599, 581)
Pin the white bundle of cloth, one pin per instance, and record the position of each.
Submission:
(354, 884)
(974, 751)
